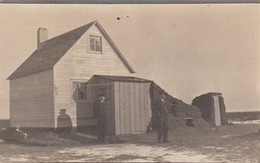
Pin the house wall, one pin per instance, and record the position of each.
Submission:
(80, 65)
(31, 100)
(132, 107)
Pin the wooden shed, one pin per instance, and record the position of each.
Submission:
(212, 108)
(128, 100)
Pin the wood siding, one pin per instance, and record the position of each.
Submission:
(217, 110)
(132, 107)
(31, 100)
(80, 65)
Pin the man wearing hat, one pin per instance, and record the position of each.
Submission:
(162, 114)
(100, 114)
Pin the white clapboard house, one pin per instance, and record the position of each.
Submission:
(68, 72)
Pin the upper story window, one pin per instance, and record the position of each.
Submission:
(95, 44)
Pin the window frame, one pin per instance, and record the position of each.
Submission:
(89, 44)
(72, 90)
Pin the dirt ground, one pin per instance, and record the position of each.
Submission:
(230, 143)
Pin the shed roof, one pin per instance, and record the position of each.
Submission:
(123, 78)
(205, 96)
(52, 50)
(214, 94)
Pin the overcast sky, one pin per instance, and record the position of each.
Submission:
(188, 50)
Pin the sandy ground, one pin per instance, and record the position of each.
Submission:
(231, 143)
(133, 152)
(111, 152)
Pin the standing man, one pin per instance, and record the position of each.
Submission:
(100, 114)
(162, 114)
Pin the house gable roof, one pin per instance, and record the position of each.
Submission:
(52, 50)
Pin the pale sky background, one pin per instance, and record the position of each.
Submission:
(188, 50)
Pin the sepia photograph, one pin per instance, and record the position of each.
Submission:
(130, 83)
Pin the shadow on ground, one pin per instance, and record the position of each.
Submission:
(51, 138)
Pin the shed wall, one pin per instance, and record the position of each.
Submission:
(132, 107)
(217, 110)
(31, 100)
(223, 111)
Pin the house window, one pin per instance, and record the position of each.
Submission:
(79, 91)
(95, 44)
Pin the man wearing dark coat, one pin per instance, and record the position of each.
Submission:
(163, 118)
(100, 115)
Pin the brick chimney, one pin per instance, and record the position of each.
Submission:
(42, 35)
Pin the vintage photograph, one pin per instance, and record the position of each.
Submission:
(129, 83)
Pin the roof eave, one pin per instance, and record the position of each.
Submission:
(120, 55)
(11, 78)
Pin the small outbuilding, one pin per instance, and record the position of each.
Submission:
(128, 100)
(212, 108)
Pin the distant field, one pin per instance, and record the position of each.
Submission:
(243, 116)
